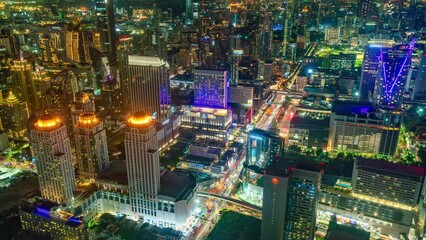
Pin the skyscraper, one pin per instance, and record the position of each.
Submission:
(76, 41)
(392, 76)
(124, 49)
(13, 115)
(370, 68)
(419, 91)
(263, 150)
(42, 88)
(22, 84)
(52, 150)
(143, 165)
(211, 87)
(149, 86)
(290, 199)
(105, 24)
(91, 146)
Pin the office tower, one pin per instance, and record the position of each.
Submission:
(143, 164)
(290, 199)
(13, 115)
(105, 24)
(392, 76)
(358, 127)
(211, 87)
(419, 91)
(264, 148)
(48, 52)
(7, 41)
(384, 181)
(22, 81)
(149, 86)
(83, 103)
(77, 43)
(124, 49)
(370, 68)
(365, 9)
(52, 151)
(42, 89)
(91, 146)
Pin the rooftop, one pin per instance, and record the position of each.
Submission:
(47, 122)
(177, 184)
(384, 166)
(350, 108)
(146, 61)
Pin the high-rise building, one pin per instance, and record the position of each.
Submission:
(143, 165)
(48, 53)
(22, 81)
(264, 148)
(370, 68)
(13, 115)
(77, 43)
(149, 86)
(124, 49)
(83, 103)
(42, 89)
(358, 127)
(91, 146)
(52, 151)
(105, 24)
(419, 91)
(392, 76)
(290, 199)
(211, 87)
(380, 180)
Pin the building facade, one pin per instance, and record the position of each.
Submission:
(211, 87)
(149, 86)
(91, 146)
(52, 151)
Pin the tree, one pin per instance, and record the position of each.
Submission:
(294, 149)
(319, 152)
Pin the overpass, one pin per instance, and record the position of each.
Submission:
(230, 200)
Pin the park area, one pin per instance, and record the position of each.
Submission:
(236, 226)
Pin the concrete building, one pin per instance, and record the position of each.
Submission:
(91, 146)
(206, 122)
(385, 181)
(149, 86)
(52, 152)
(13, 115)
(51, 222)
(211, 87)
(290, 199)
(143, 165)
(358, 127)
(419, 91)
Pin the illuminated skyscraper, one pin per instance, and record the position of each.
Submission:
(52, 151)
(392, 76)
(48, 54)
(22, 81)
(124, 49)
(13, 115)
(211, 87)
(105, 24)
(42, 88)
(149, 86)
(91, 146)
(143, 165)
(77, 45)
(290, 199)
(263, 149)
(370, 68)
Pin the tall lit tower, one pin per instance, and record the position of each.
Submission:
(290, 199)
(22, 81)
(105, 23)
(52, 150)
(149, 86)
(91, 146)
(211, 87)
(143, 164)
(392, 76)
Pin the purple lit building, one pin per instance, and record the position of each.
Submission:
(211, 87)
(393, 66)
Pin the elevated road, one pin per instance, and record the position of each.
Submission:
(230, 200)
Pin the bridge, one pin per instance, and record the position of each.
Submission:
(230, 200)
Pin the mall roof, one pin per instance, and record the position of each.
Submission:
(177, 184)
(385, 166)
